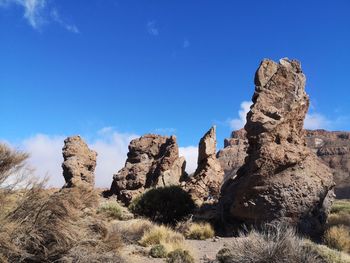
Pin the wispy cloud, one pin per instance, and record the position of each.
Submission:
(152, 28)
(186, 43)
(167, 131)
(316, 121)
(238, 123)
(39, 12)
(57, 18)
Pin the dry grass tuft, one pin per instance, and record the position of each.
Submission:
(132, 231)
(341, 218)
(274, 245)
(326, 254)
(199, 231)
(341, 206)
(165, 236)
(338, 237)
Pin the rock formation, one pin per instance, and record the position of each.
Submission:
(204, 185)
(333, 148)
(281, 180)
(79, 163)
(232, 156)
(153, 161)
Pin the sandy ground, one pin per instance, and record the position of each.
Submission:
(203, 251)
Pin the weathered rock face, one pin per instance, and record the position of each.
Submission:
(281, 180)
(333, 148)
(204, 185)
(232, 157)
(79, 163)
(153, 161)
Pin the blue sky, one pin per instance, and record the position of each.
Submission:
(104, 68)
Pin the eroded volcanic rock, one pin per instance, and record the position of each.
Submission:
(281, 180)
(204, 185)
(332, 147)
(232, 157)
(153, 160)
(79, 163)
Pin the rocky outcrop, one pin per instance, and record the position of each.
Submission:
(204, 185)
(232, 157)
(79, 163)
(281, 180)
(332, 147)
(153, 161)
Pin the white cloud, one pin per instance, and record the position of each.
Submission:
(239, 123)
(112, 149)
(111, 146)
(152, 28)
(316, 121)
(46, 155)
(191, 155)
(38, 12)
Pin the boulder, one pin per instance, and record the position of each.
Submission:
(153, 161)
(79, 163)
(332, 148)
(204, 185)
(281, 180)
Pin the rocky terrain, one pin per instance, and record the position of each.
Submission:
(333, 148)
(266, 197)
(204, 185)
(153, 161)
(281, 179)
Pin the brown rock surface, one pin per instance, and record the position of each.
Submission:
(281, 180)
(153, 160)
(79, 163)
(204, 185)
(332, 147)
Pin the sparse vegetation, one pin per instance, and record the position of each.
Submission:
(158, 251)
(326, 254)
(338, 237)
(132, 231)
(175, 204)
(111, 210)
(340, 206)
(180, 256)
(199, 231)
(274, 245)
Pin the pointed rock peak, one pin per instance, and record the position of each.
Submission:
(207, 145)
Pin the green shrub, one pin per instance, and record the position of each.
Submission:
(111, 209)
(180, 256)
(163, 205)
(158, 251)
